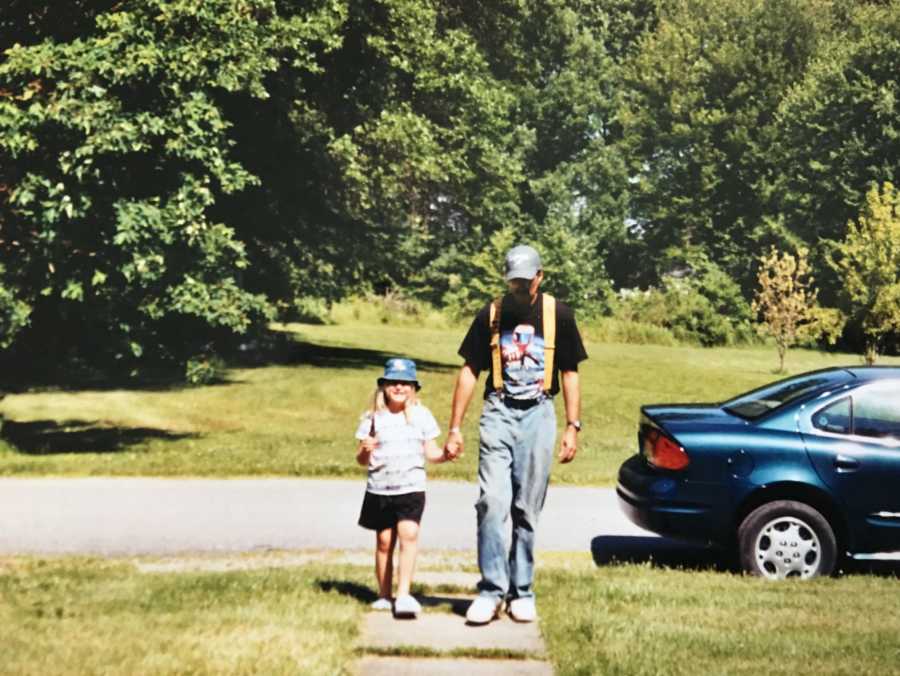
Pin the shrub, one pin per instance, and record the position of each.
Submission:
(204, 369)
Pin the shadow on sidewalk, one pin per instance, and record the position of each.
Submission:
(366, 595)
(660, 552)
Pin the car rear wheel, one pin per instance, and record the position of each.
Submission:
(784, 539)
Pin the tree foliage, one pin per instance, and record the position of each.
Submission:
(700, 98)
(174, 174)
(839, 126)
(787, 305)
(117, 148)
(868, 262)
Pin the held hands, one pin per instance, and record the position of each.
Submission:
(569, 445)
(453, 447)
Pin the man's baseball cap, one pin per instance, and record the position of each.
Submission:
(522, 262)
(398, 368)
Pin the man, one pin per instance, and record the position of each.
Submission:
(530, 345)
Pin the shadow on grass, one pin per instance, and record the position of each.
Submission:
(667, 553)
(660, 552)
(47, 437)
(357, 591)
(877, 567)
(273, 348)
(286, 350)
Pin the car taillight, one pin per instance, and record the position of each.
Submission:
(662, 452)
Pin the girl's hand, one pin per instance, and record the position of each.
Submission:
(369, 444)
(433, 452)
(365, 449)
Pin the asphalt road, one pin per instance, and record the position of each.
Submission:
(167, 516)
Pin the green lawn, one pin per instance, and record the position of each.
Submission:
(76, 616)
(634, 619)
(297, 417)
(87, 616)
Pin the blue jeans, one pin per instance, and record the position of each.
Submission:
(514, 461)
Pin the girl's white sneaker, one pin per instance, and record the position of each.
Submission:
(381, 604)
(406, 606)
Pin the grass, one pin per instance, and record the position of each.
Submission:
(78, 615)
(88, 616)
(297, 417)
(635, 619)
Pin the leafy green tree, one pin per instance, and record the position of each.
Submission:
(868, 263)
(560, 61)
(698, 114)
(786, 303)
(839, 125)
(116, 147)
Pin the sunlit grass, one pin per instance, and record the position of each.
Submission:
(84, 616)
(298, 419)
(636, 619)
(77, 615)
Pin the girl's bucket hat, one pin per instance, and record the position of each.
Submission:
(398, 368)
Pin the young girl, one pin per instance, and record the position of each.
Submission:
(395, 438)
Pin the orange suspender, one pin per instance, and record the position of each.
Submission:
(549, 323)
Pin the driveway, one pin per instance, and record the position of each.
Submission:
(165, 516)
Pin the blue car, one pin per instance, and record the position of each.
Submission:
(795, 474)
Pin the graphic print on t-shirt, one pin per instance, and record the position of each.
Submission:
(522, 350)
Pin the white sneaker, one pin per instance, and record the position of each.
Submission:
(381, 604)
(406, 606)
(483, 609)
(522, 610)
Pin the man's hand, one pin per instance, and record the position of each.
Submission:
(462, 394)
(569, 445)
(453, 447)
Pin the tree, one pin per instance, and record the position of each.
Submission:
(838, 126)
(116, 148)
(868, 263)
(701, 94)
(786, 303)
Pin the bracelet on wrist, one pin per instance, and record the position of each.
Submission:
(454, 430)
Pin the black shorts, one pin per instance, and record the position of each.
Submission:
(384, 511)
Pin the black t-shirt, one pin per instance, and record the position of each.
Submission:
(522, 347)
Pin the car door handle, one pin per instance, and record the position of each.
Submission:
(844, 463)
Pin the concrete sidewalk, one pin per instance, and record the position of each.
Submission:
(500, 648)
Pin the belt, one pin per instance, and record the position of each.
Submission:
(523, 404)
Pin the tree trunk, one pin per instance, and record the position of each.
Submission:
(782, 350)
(871, 353)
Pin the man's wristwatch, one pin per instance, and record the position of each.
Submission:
(576, 424)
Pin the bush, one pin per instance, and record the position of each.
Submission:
(204, 370)
(683, 309)
(614, 330)
(393, 308)
(309, 310)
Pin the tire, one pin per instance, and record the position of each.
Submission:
(784, 539)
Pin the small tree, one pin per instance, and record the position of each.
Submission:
(868, 261)
(786, 302)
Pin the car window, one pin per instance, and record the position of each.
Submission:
(834, 418)
(759, 402)
(876, 411)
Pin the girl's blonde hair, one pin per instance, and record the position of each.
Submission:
(379, 403)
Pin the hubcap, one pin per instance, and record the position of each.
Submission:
(787, 547)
